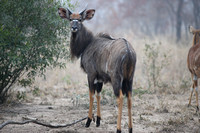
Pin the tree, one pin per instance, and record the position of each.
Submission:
(31, 39)
(196, 10)
(179, 20)
(178, 15)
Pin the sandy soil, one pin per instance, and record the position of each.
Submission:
(151, 113)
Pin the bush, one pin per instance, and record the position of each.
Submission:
(154, 62)
(31, 39)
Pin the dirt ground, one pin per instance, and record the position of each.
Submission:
(151, 113)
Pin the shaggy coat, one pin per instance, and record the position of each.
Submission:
(105, 59)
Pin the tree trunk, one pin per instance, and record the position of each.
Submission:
(196, 12)
(179, 20)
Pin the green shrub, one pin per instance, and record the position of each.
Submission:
(36, 91)
(32, 37)
(21, 95)
(154, 62)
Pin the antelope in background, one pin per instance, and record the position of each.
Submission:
(104, 59)
(193, 62)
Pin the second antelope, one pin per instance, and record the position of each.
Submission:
(193, 62)
(104, 59)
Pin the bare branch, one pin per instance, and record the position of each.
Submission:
(34, 120)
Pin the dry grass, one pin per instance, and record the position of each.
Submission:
(72, 80)
(175, 76)
(161, 109)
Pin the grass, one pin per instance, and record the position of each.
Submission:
(174, 75)
(140, 92)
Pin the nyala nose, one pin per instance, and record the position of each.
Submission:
(74, 29)
(74, 26)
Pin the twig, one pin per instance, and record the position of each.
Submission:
(41, 123)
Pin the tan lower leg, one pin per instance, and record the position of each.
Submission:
(191, 96)
(98, 105)
(192, 90)
(91, 94)
(197, 103)
(196, 93)
(120, 104)
(129, 101)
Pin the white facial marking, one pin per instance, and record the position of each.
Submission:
(74, 30)
(75, 20)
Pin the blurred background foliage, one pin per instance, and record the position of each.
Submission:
(151, 18)
(32, 38)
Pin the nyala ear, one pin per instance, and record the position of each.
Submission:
(89, 14)
(63, 13)
(191, 29)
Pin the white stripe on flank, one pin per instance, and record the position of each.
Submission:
(106, 67)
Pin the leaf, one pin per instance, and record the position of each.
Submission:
(31, 39)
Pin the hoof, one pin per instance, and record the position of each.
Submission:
(98, 121)
(119, 131)
(130, 130)
(88, 122)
